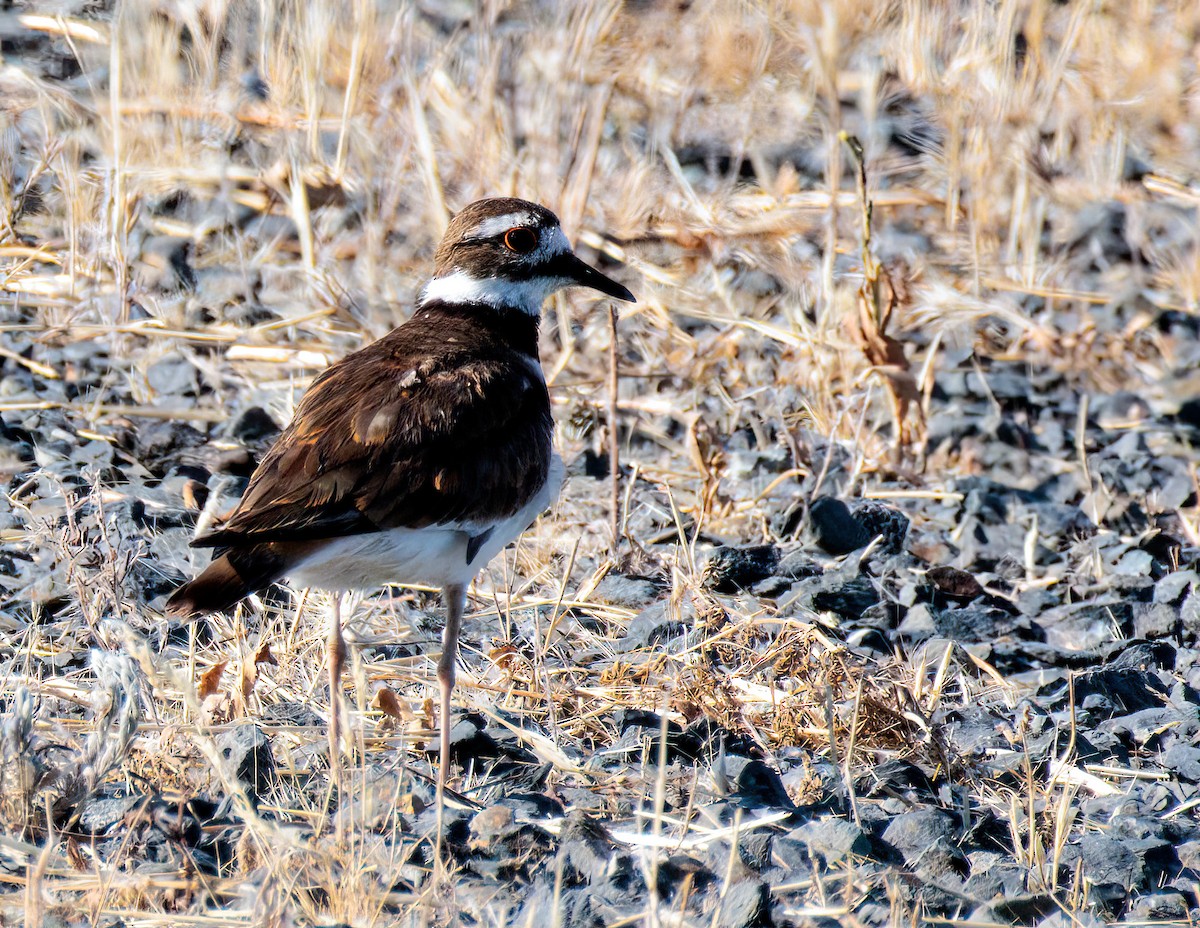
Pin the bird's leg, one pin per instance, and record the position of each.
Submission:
(455, 597)
(337, 660)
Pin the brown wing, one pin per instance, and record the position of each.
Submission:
(383, 440)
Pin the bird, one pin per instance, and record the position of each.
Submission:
(416, 459)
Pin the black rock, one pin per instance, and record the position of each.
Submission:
(474, 746)
(156, 518)
(837, 529)
(730, 569)
(754, 849)
(159, 443)
(681, 870)
(753, 783)
(894, 776)
(1141, 655)
(1009, 906)
(832, 592)
(703, 740)
(253, 425)
(879, 521)
(1128, 690)
(833, 529)
(980, 623)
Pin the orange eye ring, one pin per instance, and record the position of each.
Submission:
(520, 240)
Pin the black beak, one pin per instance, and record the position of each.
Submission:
(587, 276)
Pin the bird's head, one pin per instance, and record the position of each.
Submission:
(509, 253)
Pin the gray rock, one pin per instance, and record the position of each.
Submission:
(1076, 919)
(744, 904)
(585, 849)
(1172, 588)
(172, 376)
(1155, 620)
(797, 565)
(100, 814)
(626, 592)
(1183, 760)
(248, 750)
(1158, 907)
(1082, 626)
(918, 623)
(652, 627)
(1189, 855)
(927, 841)
(832, 839)
(1107, 860)
(1189, 616)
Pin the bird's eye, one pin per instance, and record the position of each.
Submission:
(520, 240)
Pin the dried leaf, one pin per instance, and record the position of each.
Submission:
(386, 702)
(210, 680)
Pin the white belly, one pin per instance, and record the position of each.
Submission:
(431, 556)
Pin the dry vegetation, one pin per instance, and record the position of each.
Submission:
(204, 202)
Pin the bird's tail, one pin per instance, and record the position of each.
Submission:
(229, 579)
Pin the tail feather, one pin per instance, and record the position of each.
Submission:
(228, 580)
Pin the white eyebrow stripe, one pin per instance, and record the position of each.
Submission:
(495, 225)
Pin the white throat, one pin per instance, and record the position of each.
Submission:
(525, 295)
(459, 286)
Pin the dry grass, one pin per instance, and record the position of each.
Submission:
(322, 201)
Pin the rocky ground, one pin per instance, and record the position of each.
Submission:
(839, 668)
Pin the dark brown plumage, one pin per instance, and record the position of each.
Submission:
(442, 420)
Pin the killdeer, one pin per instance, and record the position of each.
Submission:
(418, 458)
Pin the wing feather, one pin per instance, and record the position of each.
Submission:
(393, 437)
